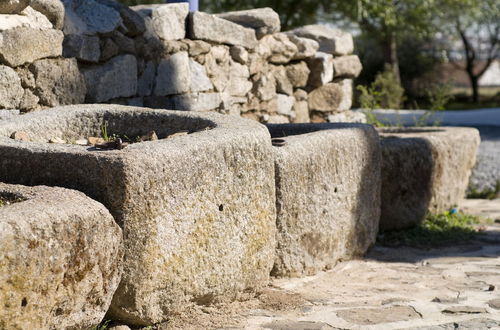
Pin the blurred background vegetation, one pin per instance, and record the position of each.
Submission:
(415, 53)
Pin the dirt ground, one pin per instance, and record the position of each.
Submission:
(451, 287)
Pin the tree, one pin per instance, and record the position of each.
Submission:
(477, 25)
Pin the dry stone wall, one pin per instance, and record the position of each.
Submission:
(55, 52)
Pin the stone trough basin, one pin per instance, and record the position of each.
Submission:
(60, 258)
(197, 210)
(327, 194)
(424, 169)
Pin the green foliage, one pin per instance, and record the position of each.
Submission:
(2, 203)
(101, 326)
(385, 92)
(435, 230)
(104, 132)
(439, 96)
(475, 193)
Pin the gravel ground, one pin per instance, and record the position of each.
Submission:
(487, 170)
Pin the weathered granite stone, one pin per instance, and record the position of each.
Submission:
(239, 80)
(109, 49)
(60, 257)
(262, 20)
(198, 80)
(58, 81)
(27, 18)
(328, 195)
(283, 84)
(424, 170)
(211, 28)
(11, 91)
(133, 21)
(8, 114)
(13, 6)
(331, 97)
(83, 47)
(282, 50)
(218, 65)
(239, 54)
(89, 17)
(331, 41)
(276, 119)
(146, 81)
(52, 9)
(305, 47)
(298, 74)
(125, 44)
(115, 78)
(347, 66)
(25, 45)
(321, 69)
(285, 104)
(168, 21)
(29, 101)
(184, 241)
(195, 101)
(301, 110)
(197, 47)
(173, 75)
(265, 87)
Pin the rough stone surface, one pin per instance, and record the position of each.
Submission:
(202, 242)
(89, 17)
(167, 20)
(11, 90)
(196, 101)
(28, 18)
(305, 47)
(173, 75)
(58, 81)
(211, 28)
(331, 41)
(52, 9)
(199, 82)
(146, 80)
(321, 68)
(424, 170)
(25, 45)
(239, 54)
(60, 259)
(285, 104)
(328, 195)
(331, 97)
(348, 117)
(281, 50)
(13, 6)
(347, 66)
(84, 48)
(298, 74)
(283, 84)
(115, 78)
(262, 20)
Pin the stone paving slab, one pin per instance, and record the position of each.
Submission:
(452, 287)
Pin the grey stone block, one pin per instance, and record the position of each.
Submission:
(327, 195)
(113, 79)
(25, 45)
(212, 28)
(53, 9)
(262, 20)
(84, 48)
(198, 210)
(424, 170)
(331, 41)
(11, 91)
(60, 256)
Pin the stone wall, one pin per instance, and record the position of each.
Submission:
(161, 56)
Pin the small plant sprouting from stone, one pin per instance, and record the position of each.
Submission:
(435, 230)
(102, 326)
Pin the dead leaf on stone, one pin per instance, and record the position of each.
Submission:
(82, 142)
(20, 136)
(95, 140)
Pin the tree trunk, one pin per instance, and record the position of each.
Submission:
(474, 82)
(391, 54)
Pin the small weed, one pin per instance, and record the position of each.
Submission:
(435, 230)
(101, 326)
(2, 203)
(104, 132)
(475, 193)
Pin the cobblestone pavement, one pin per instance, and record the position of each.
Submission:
(452, 287)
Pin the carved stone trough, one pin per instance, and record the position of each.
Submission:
(60, 258)
(197, 210)
(327, 194)
(424, 169)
